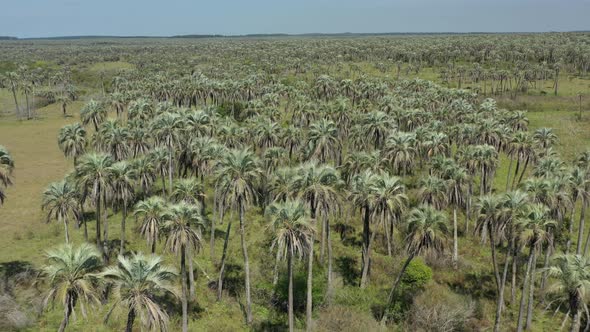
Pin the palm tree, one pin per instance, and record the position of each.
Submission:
(121, 183)
(400, 152)
(152, 214)
(426, 230)
(580, 186)
(183, 239)
(137, 281)
(292, 236)
(318, 185)
(490, 223)
(93, 112)
(60, 201)
(72, 140)
(237, 175)
(323, 142)
(189, 190)
(94, 172)
(360, 196)
(532, 226)
(572, 284)
(167, 128)
(6, 168)
(456, 181)
(389, 201)
(433, 191)
(72, 276)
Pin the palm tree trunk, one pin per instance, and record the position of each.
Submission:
(515, 172)
(323, 242)
(67, 232)
(246, 263)
(570, 230)
(366, 244)
(98, 220)
(28, 106)
(170, 170)
(581, 227)
(524, 287)
(394, 288)
(223, 258)
(529, 316)
(329, 240)
(16, 102)
(191, 274)
(184, 299)
(84, 222)
(212, 235)
(123, 227)
(526, 163)
(494, 259)
(275, 273)
(130, 320)
(575, 327)
(67, 312)
(508, 173)
(513, 279)
(105, 229)
(309, 303)
(500, 303)
(290, 271)
(455, 238)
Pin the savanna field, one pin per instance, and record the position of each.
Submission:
(377, 183)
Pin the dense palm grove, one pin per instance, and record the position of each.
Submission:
(282, 155)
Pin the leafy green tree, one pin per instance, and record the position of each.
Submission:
(426, 230)
(572, 284)
(93, 112)
(72, 140)
(237, 174)
(137, 281)
(60, 201)
(152, 214)
(183, 231)
(72, 275)
(94, 172)
(6, 168)
(292, 236)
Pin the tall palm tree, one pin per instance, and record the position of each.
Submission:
(292, 236)
(94, 172)
(72, 140)
(426, 230)
(360, 196)
(188, 190)
(318, 185)
(93, 112)
(532, 226)
(571, 285)
(6, 168)
(389, 201)
(433, 191)
(456, 184)
(60, 201)
(491, 224)
(152, 213)
(137, 281)
(72, 277)
(237, 175)
(167, 128)
(122, 182)
(183, 231)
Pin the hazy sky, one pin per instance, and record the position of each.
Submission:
(42, 18)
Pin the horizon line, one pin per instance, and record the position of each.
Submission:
(280, 34)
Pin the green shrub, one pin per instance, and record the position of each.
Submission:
(417, 275)
(300, 288)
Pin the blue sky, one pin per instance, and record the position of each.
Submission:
(43, 18)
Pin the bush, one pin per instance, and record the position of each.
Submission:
(300, 288)
(340, 318)
(417, 275)
(439, 309)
